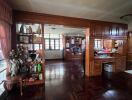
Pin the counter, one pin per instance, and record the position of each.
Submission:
(117, 62)
(99, 65)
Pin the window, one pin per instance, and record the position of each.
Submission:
(1, 53)
(47, 44)
(53, 42)
(97, 44)
(37, 46)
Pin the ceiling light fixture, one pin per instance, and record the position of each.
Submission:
(127, 17)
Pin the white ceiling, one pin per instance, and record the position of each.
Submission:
(60, 29)
(106, 10)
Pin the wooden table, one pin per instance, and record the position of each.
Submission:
(21, 82)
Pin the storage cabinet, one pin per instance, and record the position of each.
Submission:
(97, 68)
(120, 64)
(73, 47)
(107, 30)
(129, 51)
(30, 38)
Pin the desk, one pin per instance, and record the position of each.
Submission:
(98, 65)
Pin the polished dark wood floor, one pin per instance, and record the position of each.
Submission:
(65, 81)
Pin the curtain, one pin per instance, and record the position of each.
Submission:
(4, 39)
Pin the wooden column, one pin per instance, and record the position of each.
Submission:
(87, 57)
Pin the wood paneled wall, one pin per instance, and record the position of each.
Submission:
(95, 29)
(5, 12)
(23, 16)
(107, 30)
(129, 53)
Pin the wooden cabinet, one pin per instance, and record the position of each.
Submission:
(5, 12)
(120, 64)
(73, 47)
(129, 51)
(97, 68)
(99, 65)
(106, 30)
(30, 37)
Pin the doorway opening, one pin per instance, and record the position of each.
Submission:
(63, 45)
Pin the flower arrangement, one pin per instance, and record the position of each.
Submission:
(17, 59)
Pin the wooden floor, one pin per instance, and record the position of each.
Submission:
(65, 81)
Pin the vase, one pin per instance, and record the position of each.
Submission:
(38, 30)
(30, 29)
(22, 28)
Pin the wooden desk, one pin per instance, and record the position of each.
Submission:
(118, 64)
(98, 65)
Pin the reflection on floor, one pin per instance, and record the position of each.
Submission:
(65, 81)
(59, 78)
(129, 71)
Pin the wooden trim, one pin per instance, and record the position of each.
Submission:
(33, 17)
(110, 37)
(6, 12)
(94, 29)
(87, 55)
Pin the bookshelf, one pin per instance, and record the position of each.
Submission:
(73, 47)
(30, 36)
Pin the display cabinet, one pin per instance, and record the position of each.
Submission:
(109, 56)
(73, 47)
(30, 37)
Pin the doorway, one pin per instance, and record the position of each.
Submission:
(63, 45)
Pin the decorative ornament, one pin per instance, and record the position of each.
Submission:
(39, 30)
(30, 29)
(22, 28)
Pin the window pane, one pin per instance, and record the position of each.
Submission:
(97, 44)
(56, 47)
(46, 41)
(40, 46)
(53, 36)
(1, 53)
(56, 42)
(52, 42)
(61, 36)
(61, 44)
(36, 46)
(47, 47)
(30, 47)
(52, 47)
(46, 36)
(61, 47)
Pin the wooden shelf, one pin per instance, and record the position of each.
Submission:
(36, 82)
(27, 33)
(29, 40)
(74, 51)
